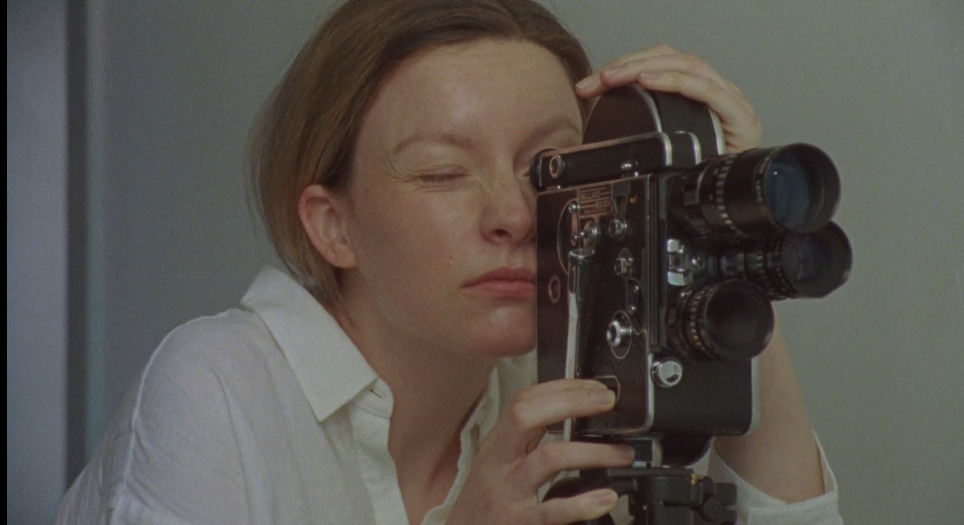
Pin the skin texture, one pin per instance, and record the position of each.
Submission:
(434, 236)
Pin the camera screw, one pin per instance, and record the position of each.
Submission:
(616, 228)
(633, 298)
(624, 264)
(588, 236)
(667, 372)
(556, 165)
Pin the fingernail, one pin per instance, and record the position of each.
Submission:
(627, 453)
(588, 83)
(614, 70)
(604, 397)
(605, 498)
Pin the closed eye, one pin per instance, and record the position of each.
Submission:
(439, 178)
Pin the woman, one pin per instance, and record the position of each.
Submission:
(387, 380)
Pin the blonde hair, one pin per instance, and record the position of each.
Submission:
(307, 130)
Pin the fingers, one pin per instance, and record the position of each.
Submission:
(741, 126)
(513, 461)
(658, 59)
(584, 507)
(545, 462)
(525, 419)
(654, 51)
(662, 68)
(518, 434)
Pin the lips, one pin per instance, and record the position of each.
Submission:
(504, 282)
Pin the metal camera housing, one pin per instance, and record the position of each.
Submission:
(657, 258)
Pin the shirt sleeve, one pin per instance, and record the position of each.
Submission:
(171, 457)
(755, 507)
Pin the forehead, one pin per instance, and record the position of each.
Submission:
(474, 87)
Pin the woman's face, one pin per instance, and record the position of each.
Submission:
(439, 211)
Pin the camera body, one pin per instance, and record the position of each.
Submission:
(657, 259)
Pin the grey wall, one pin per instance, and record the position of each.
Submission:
(36, 259)
(169, 90)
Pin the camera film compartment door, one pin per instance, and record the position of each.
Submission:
(582, 218)
(620, 320)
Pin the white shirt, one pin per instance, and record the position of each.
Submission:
(269, 415)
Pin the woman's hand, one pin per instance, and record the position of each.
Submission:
(513, 461)
(662, 68)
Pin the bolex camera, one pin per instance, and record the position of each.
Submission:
(658, 258)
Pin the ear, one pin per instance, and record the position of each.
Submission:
(323, 216)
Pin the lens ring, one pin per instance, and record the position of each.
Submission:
(792, 188)
(731, 320)
(800, 188)
(813, 264)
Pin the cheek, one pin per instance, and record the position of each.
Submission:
(402, 249)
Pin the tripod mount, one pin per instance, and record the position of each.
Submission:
(657, 495)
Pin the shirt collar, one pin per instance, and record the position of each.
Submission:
(329, 368)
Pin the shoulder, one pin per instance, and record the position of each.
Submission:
(229, 347)
(209, 366)
(172, 447)
(213, 337)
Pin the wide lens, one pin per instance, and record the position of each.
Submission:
(792, 265)
(731, 320)
(814, 264)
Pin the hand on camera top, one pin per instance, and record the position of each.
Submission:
(513, 461)
(662, 68)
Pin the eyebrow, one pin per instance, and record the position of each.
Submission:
(465, 142)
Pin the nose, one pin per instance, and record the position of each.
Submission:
(509, 216)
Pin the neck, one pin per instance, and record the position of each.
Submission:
(434, 391)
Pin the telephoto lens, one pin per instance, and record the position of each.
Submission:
(791, 188)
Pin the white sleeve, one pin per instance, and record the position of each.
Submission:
(755, 507)
(171, 455)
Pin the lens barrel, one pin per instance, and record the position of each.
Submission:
(792, 188)
(731, 320)
(792, 265)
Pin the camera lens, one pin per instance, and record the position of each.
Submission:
(792, 188)
(794, 265)
(731, 320)
(813, 264)
(787, 191)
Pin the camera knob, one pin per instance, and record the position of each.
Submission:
(557, 165)
(620, 334)
(667, 372)
(617, 229)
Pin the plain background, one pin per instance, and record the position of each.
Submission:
(151, 227)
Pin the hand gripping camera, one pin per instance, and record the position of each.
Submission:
(658, 257)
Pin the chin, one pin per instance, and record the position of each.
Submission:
(507, 343)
